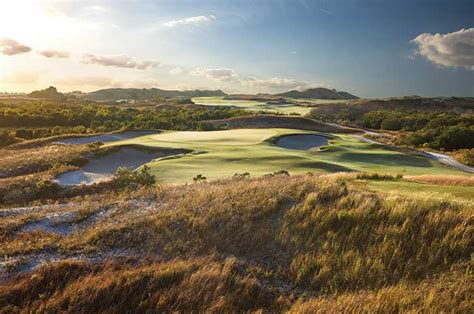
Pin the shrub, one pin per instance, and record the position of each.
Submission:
(199, 178)
(127, 178)
(6, 138)
(378, 176)
(240, 176)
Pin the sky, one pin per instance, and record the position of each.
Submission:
(369, 48)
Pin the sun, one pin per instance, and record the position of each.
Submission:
(38, 23)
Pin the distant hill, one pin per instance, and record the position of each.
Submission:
(114, 94)
(48, 93)
(319, 93)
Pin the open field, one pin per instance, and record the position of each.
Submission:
(221, 154)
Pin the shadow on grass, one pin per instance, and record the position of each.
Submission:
(330, 167)
(386, 159)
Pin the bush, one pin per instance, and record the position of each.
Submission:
(378, 176)
(391, 124)
(24, 133)
(199, 178)
(240, 176)
(127, 178)
(6, 138)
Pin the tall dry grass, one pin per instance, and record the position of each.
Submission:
(245, 245)
(452, 180)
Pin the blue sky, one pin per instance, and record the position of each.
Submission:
(364, 47)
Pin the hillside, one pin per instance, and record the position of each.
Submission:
(276, 121)
(114, 94)
(318, 93)
(50, 93)
(445, 104)
(299, 243)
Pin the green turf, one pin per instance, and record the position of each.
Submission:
(220, 154)
(405, 187)
(253, 105)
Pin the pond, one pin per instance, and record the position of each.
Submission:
(302, 141)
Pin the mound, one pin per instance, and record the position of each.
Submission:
(318, 93)
(273, 121)
(453, 104)
(114, 94)
(304, 244)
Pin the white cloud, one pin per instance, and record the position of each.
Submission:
(51, 53)
(451, 50)
(275, 83)
(195, 20)
(176, 71)
(11, 47)
(220, 74)
(120, 61)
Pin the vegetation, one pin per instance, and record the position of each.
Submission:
(221, 154)
(319, 93)
(437, 126)
(299, 243)
(127, 178)
(36, 120)
(465, 156)
(367, 228)
(48, 93)
(115, 94)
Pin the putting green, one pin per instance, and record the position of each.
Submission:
(221, 154)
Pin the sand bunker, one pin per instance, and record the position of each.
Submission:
(302, 141)
(102, 168)
(105, 138)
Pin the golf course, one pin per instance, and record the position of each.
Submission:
(221, 154)
(252, 105)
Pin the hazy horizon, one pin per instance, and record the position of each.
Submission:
(367, 48)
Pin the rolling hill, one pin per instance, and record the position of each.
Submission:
(318, 93)
(114, 94)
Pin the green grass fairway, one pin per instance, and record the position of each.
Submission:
(405, 187)
(220, 154)
(252, 105)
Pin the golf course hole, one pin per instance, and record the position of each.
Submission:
(101, 168)
(302, 141)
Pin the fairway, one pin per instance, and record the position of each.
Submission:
(253, 105)
(404, 187)
(221, 154)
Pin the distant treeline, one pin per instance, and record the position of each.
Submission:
(35, 120)
(428, 124)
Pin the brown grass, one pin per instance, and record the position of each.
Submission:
(250, 244)
(450, 293)
(452, 180)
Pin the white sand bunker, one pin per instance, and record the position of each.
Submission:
(105, 138)
(302, 141)
(102, 168)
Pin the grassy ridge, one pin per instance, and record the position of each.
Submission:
(259, 244)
